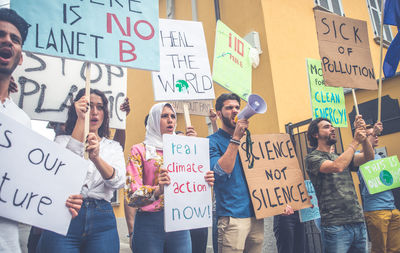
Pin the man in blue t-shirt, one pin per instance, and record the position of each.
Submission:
(238, 229)
(381, 215)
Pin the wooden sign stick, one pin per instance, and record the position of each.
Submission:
(186, 114)
(87, 116)
(355, 101)
(380, 66)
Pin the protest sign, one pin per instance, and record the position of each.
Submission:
(381, 175)
(184, 68)
(37, 176)
(326, 102)
(275, 179)
(121, 33)
(344, 50)
(187, 202)
(311, 213)
(232, 64)
(47, 86)
(199, 107)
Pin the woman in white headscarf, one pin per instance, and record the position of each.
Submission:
(144, 189)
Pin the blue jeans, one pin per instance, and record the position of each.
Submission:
(93, 230)
(350, 238)
(149, 235)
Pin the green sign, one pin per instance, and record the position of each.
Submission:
(381, 175)
(232, 64)
(326, 102)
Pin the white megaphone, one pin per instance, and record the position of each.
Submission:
(255, 104)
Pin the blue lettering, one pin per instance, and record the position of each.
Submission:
(199, 213)
(316, 99)
(173, 213)
(184, 212)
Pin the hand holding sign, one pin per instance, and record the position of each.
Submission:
(74, 204)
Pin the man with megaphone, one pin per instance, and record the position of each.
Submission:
(238, 229)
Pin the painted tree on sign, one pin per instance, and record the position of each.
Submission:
(182, 85)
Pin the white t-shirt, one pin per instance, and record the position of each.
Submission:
(9, 239)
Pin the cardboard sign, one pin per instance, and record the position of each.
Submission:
(184, 67)
(326, 102)
(382, 174)
(121, 33)
(188, 198)
(311, 213)
(47, 86)
(232, 64)
(201, 108)
(37, 176)
(276, 179)
(344, 50)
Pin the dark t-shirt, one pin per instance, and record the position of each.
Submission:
(337, 198)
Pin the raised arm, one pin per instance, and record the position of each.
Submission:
(344, 160)
(227, 160)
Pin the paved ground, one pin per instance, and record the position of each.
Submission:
(269, 239)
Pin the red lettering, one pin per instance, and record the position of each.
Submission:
(187, 186)
(199, 168)
(140, 35)
(180, 188)
(126, 51)
(128, 24)
(169, 169)
(240, 47)
(176, 190)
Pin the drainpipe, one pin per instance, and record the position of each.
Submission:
(217, 13)
(170, 9)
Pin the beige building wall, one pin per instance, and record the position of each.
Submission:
(287, 36)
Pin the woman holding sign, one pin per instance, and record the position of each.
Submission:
(145, 181)
(95, 228)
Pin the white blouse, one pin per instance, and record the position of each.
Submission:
(94, 185)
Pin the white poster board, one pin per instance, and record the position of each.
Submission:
(184, 67)
(37, 176)
(47, 85)
(187, 199)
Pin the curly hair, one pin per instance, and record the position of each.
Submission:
(225, 96)
(104, 130)
(313, 130)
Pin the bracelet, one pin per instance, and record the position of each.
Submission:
(234, 141)
(112, 175)
(129, 235)
(351, 146)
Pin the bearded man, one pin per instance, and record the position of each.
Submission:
(238, 229)
(342, 222)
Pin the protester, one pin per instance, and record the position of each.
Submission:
(95, 228)
(342, 221)
(145, 182)
(199, 236)
(213, 119)
(238, 230)
(13, 32)
(381, 215)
